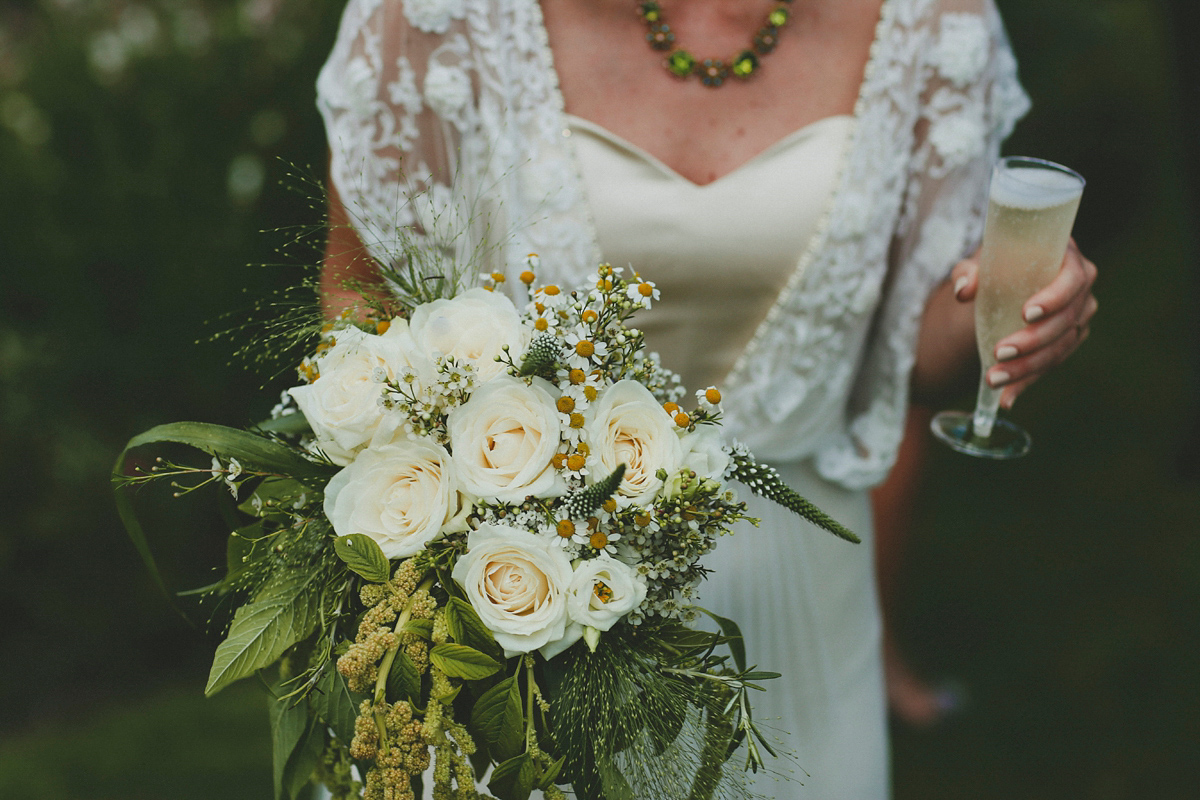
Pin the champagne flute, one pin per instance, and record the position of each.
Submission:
(1031, 209)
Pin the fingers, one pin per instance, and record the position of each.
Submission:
(964, 279)
(1075, 278)
(1017, 373)
(1048, 330)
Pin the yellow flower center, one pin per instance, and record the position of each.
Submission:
(498, 277)
(610, 505)
(541, 324)
(712, 395)
(559, 460)
(565, 404)
(527, 277)
(602, 590)
(598, 540)
(539, 307)
(551, 290)
(645, 289)
(590, 393)
(590, 316)
(575, 462)
(682, 420)
(583, 448)
(576, 376)
(604, 285)
(642, 520)
(585, 348)
(671, 408)
(576, 420)
(566, 528)
(382, 326)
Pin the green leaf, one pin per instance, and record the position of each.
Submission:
(363, 555)
(403, 680)
(256, 453)
(273, 496)
(548, 776)
(460, 661)
(300, 767)
(467, 628)
(497, 717)
(283, 613)
(513, 779)
(737, 644)
(291, 424)
(335, 704)
(761, 676)
(289, 723)
(421, 627)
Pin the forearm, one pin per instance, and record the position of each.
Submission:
(346, 269)
(947, 361)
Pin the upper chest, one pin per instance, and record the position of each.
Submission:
(610, 75)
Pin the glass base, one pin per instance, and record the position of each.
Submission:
(955, 429)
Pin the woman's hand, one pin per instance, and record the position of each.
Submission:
(1058, 318)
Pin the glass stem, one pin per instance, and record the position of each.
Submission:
(986, 406)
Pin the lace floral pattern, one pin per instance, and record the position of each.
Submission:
(457, 102)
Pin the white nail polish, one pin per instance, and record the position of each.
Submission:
(1034, 313)
(998, 379)
(959, 285)
(1005, 353)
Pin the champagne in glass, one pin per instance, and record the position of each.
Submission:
(1031, 209)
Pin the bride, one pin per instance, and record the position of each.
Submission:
(804, 180)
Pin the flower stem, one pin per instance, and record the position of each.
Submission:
(385, 667)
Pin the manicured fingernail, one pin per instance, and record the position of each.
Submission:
(1034, 313)
(998, 378)
(1005, 353)
(959, 285)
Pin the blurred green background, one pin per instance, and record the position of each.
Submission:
(142, 146)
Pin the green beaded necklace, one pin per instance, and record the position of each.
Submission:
(712, 71)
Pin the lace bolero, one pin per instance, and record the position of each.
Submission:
(445, 116)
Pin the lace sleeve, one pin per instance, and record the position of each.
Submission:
(970, 101)
(397, 94)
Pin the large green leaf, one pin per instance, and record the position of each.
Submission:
(513, 779)
(403, 680)
(363, 555)
(335, 704)
(497, 717)
(467, 628)
(255, 452)
(289, 723)
(283, 613)
(460, 661)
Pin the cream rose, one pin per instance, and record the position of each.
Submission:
(517, 583)
(504, 438)
(403, 495)
(343, 404)
(602, 591)
(473, 327)
(626, 425)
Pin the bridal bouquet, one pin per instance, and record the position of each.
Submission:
(468, 551)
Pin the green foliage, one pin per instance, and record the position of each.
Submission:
(467, 628)
(514, 779)
(363, 555)
(764, 481)
(460, 661)
(284, 612)
(403, 680)
(582, 504)
(498, 720)
(335, 704)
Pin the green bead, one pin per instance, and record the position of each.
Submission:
(778, 18)
(651, 12)
(681, 63)
(745, 64)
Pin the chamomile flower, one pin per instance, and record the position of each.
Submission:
(583, 350)
(709, 399)
(641, 293)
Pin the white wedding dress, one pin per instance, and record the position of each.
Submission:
(801, 299)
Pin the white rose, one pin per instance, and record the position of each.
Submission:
(447, 89)
(704, 452)
(402, 495)
(472, 327)
(602, 591)
(626, 425)
(517, 583)
(343, 404)
(504, 438)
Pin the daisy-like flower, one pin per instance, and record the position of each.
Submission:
(593, 538)
(641, 293)
(583, 351)
(709, 399)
